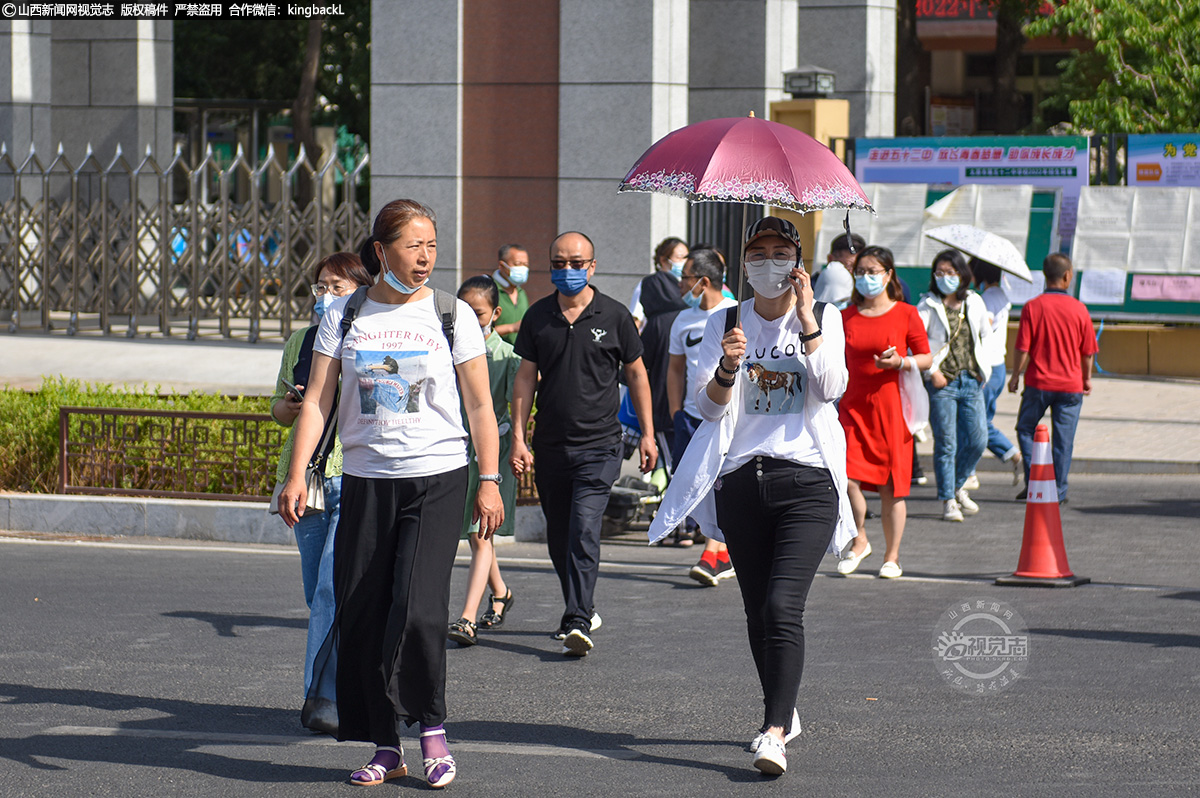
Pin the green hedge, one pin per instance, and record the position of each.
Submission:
(29, 423)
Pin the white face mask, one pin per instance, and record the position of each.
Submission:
(769, 278)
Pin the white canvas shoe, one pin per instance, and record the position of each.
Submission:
(965, 504)
(950, 511)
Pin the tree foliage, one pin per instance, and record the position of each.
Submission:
(1143, 75)
(263, 59)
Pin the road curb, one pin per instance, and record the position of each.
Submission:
(186, 519)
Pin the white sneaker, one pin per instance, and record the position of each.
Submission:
(792, 734)
(771, 756)
(890, 570)
(950, 511)
(965, 504)
(972, 483)
(1018, 467)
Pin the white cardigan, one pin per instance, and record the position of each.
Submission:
(690, 491)
(937, 327)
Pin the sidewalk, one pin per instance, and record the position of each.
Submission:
(1143, 425)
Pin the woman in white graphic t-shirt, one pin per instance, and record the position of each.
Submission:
(403, 488)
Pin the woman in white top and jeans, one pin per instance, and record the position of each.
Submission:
(771, 435)
(403, 488)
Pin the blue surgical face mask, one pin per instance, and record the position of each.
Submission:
(518, 275)
(322, 304)
(869, 285)
(693, 300)
(947, 284)
(568, 281)
(394, 281)
(677, 268)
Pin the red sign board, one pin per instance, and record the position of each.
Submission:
(953, 9)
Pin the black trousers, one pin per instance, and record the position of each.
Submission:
(573, 486)
(778, 518)
(392, 559)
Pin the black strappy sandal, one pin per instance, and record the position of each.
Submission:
(462, 632)
(492, 619)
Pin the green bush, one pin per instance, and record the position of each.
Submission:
(29, 423)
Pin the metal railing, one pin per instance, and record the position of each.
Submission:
(124, 247)
(169, 454)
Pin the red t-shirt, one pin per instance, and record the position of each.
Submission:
(1057, 333)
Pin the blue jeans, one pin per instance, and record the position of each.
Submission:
(997, 443)
(959, 425)
(314, 537)
(1064, 414)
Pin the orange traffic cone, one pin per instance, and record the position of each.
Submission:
(1043, 560)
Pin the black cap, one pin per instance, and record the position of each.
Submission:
(773, 225)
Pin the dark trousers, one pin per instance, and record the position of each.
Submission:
(573, 486)
(778, 518)
(392, 559)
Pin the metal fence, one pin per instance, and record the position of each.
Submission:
(210, 249)
(164, 453)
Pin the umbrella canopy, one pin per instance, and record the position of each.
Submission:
(749, 160)
(985, 246)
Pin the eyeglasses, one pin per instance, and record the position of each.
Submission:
(688, 277)
(946, 272)
(574, 264)
(320, 289)
(860, 273)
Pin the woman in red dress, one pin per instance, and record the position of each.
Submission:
(880, 329)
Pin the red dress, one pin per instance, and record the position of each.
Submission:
(878, 443)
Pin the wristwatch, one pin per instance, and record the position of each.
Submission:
(497, 478)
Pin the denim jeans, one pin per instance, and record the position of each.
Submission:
(997, 443)
(959, 425)
(314, 537)
(1064, 414)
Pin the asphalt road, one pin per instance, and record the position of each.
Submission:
(139, 670)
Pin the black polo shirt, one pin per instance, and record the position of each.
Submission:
(580, 363)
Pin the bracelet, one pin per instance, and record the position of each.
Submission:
(497, 478)
(806, 338)
(721, 366)
(722, 381)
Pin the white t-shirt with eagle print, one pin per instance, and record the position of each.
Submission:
(687, 331)
(399, 414)
(773, 380)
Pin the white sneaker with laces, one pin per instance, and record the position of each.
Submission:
(972, 483)
(771, 756)
(965, 504)
(950, 511)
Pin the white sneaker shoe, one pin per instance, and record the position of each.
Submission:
(1018, 467)
(792, 734)
(965, 504)
(950, 511)
(771, 756)
(972, 483)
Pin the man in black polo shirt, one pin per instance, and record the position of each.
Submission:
(579, 340)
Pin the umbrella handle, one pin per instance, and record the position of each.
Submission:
(849, 236)
(741, 271)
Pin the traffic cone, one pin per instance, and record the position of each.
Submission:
(1043, 561)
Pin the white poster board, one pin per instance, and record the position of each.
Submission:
(1137, 229)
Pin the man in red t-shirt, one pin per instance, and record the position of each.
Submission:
(1056, 341)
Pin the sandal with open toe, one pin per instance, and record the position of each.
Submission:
(439, 770)
(374, 773)
(462, 632)
(492, 619)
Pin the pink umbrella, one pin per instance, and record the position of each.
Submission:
(745, 159)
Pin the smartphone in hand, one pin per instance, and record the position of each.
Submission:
(293, 391)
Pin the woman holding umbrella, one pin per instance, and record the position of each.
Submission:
(959, 330)
(771, 450)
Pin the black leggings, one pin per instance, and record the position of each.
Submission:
(778, 518)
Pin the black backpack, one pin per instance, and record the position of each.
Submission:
(445, 303)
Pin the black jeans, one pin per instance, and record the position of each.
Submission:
(573, 486)
(778, 518)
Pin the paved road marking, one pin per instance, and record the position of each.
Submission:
(524, 749)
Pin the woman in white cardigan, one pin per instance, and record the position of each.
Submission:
(956, 321)
(772, 453)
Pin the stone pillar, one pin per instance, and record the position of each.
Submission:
(857, 40)
(416, 116)
(739, 52)
(113, 83)
(25, 69)
(623, 75)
